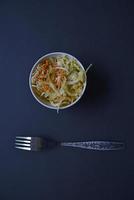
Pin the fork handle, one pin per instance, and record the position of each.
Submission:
(96, 145)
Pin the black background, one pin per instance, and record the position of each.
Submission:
(99, 32)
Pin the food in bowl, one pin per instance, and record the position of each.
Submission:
(58, 81)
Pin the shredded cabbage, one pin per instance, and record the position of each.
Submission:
(58, 81)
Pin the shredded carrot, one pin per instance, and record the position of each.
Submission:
(46, 88)
(59, 75)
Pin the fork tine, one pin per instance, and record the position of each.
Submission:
(23, 148)
(22, 144)
(25, 141)
(20, 137)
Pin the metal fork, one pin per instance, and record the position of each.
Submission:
(39, 143)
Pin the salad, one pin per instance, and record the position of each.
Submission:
(58, 81)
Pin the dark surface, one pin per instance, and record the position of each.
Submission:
(99, 32)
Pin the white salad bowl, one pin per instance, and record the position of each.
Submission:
(55, 54)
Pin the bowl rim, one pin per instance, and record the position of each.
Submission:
(34, 66)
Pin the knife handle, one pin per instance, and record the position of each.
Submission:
(96, 145)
